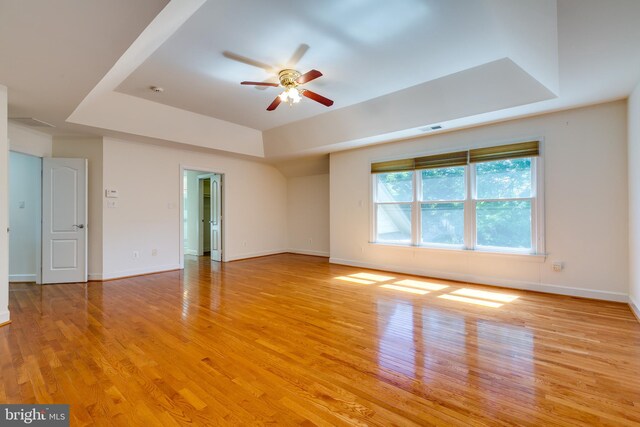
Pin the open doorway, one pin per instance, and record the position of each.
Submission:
(25, 213)
(47, 219)
(202, 206)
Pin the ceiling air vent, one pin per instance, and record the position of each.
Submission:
(30, 121)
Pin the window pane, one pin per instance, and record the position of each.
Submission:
(443, 184)
(503, 179)
(394, 187)
(393, 223)
(504, 224)
(443, 223)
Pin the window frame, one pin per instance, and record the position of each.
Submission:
(470, 202)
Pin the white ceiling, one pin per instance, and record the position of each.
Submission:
(364, 48)
(52, 53)
(390, 67)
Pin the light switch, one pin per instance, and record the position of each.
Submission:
(112, 194)
(21, 205)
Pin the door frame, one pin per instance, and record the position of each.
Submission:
(223, 227)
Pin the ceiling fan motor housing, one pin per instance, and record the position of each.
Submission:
(288, 78)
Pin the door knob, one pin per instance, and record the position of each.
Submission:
(79, 226)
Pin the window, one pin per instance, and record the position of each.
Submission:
(393, 211)
(442, 205)
(483, 199)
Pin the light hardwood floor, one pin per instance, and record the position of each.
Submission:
(293, 340)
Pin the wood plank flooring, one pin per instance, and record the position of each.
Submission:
(293, 340)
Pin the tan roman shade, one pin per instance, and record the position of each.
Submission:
(502, 152)
(393, 166)
(460, 158)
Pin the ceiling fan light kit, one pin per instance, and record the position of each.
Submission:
(290, 80)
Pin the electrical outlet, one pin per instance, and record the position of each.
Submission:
(557, 266)
(244, 243)
(154, 252)
(310, 240)
(136, 254)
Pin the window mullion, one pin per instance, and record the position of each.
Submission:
(469, 208)
(416, 220)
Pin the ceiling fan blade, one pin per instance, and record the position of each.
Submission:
(248, 61)
(307, 77)
(318, 98)
(269, 80)
(260, 84)
(274, 104)
(298, 54)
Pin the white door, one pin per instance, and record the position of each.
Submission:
(216, 218)
(64, 220)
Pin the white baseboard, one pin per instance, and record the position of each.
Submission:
(4, 317)
(133, 272)
(22, 278)
(308, 252)
(634, 308)
(191, 252)
(254, 255)
(495, 281)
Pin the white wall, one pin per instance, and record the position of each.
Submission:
(148, 213)
(4, 211)
(633, 119)
(28, 141)
(91, 149)
(25, 189)
(586, 206)
(308, 214)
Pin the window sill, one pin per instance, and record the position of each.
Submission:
(537, 258)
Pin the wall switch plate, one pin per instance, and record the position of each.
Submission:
(112, 194)
(21, 205)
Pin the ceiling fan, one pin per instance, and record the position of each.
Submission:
(289, 79)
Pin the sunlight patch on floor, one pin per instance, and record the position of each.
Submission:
(421, 285)
(355, 280)
(370, 276)
(404, 289)
(494, 296)
(471, 300)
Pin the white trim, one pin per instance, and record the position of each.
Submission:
(634, 308)
(134, 272)
(22, 277)
(191, 252)
(308, 252)
(520, 256)
(492, 281)
(255, 254)
(5, 316)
